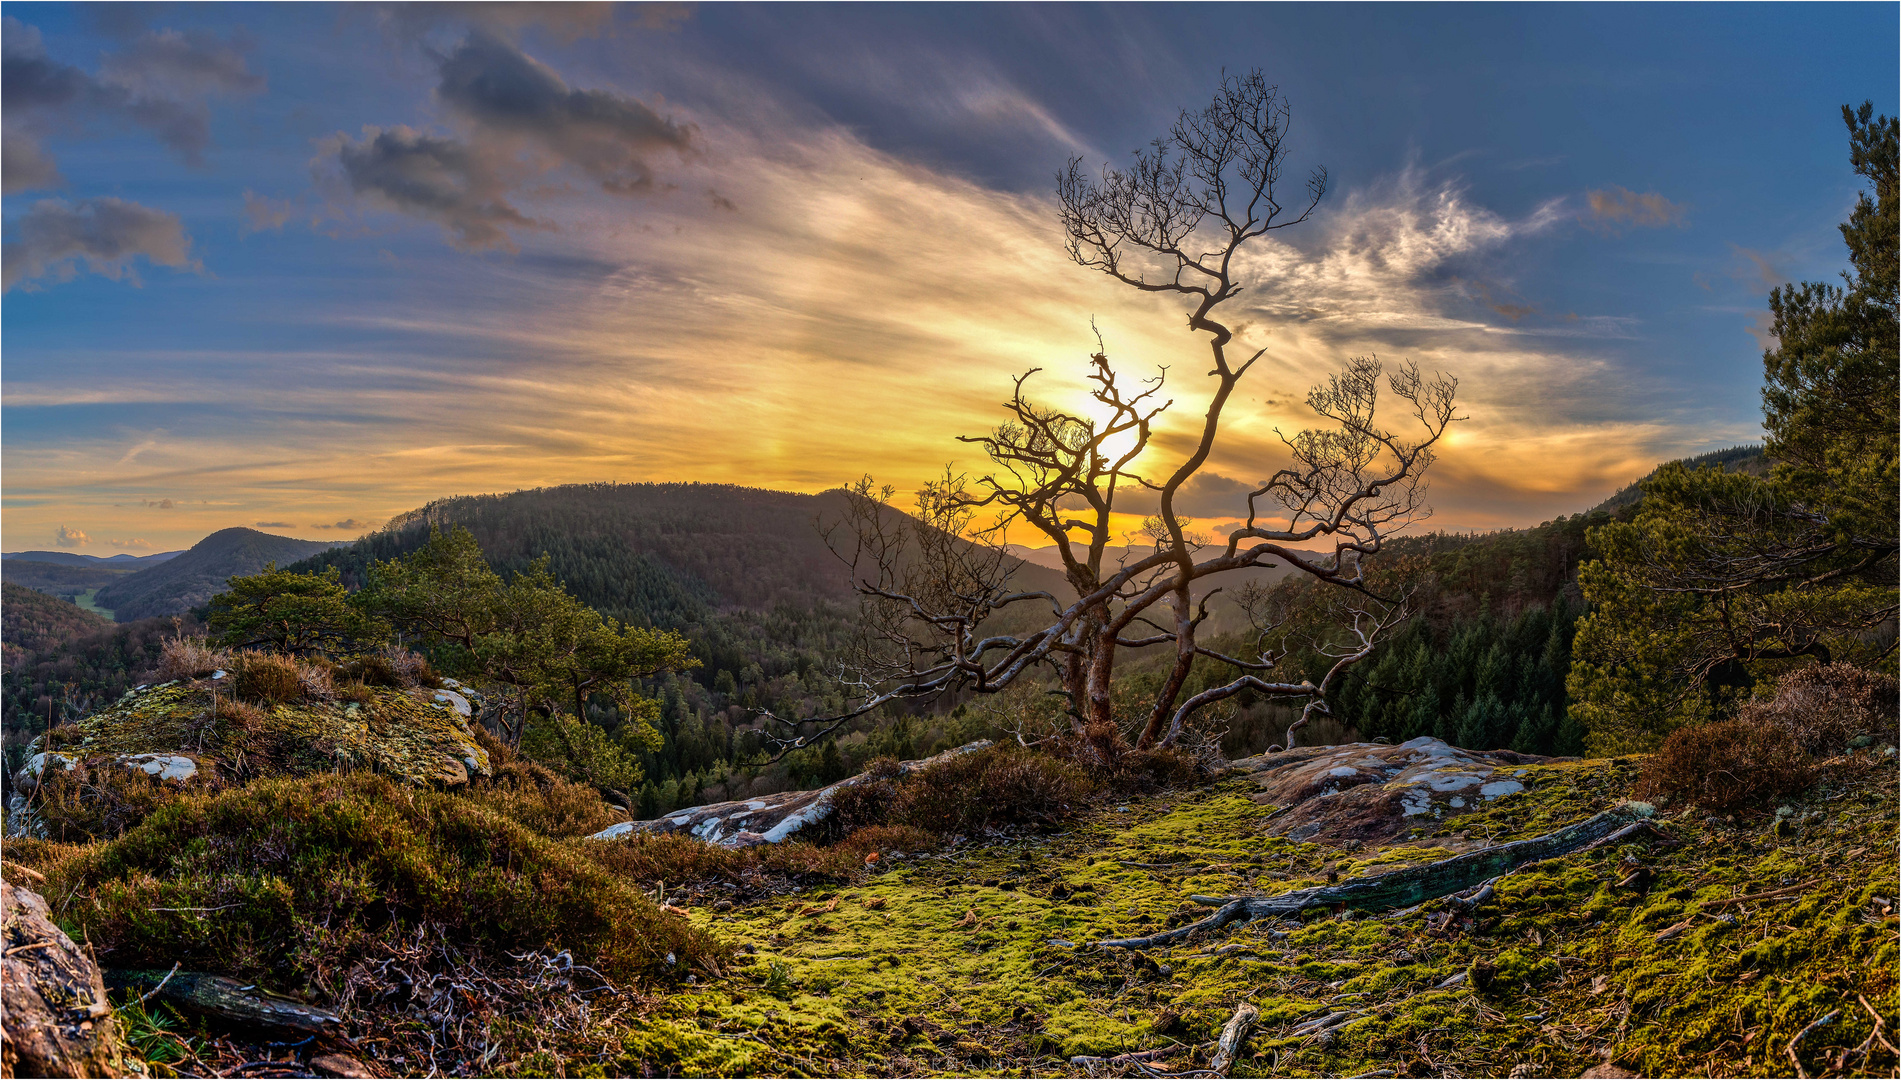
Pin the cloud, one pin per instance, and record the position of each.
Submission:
(159, 504)
(137, 544)
(24, 166)
(272, 525)
(452, 183)
(518, 120)
(503, 91)
(162, 81)
(566, 22)
(265, 214)
(105, 234)
(346, 523)
(70, 538)
(1615, 208)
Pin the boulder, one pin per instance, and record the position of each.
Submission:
(1372, 792)
(58, 1021)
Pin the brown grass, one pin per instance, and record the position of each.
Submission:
(189, 658)
(267, 677)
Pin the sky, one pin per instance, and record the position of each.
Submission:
(304, 267)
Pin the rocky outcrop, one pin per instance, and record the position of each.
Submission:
(1372, 792)
(58, 1021)
(188, 733)
(767, 819)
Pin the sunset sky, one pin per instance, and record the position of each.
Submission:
(302, 267)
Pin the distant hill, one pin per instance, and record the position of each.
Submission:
(35, 621)
(657, 554)
(1743, 459)
(193, 577)
(74, 558)
(63, 580)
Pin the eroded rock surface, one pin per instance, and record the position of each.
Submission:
(169, 732)
(58, 1021)
(765, 820)
(1372, 792)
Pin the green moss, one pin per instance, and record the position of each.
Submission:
(949, 976)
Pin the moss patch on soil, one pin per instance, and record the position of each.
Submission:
(980, 960)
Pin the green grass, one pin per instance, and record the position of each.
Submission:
(84, 600)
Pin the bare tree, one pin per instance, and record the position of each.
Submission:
(938, 586)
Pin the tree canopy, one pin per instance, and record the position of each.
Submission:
(1724, 579)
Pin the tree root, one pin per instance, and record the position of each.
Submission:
(1417, 885)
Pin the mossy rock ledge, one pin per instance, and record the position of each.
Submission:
(176, 733)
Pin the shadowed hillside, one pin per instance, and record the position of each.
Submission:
(33, 620)
(64, 580)
(191, 579)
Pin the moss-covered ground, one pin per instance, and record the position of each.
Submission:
(980, 959)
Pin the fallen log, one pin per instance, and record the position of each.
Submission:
(1417, 885)
(230, 1000)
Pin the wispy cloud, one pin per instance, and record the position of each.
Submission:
(134, 544)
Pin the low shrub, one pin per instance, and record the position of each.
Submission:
(267, 677)
(101, 799)
(189, 658)
(372, 670)
(537, 798)
(970, 793)
(1726, 767)
(1822, 707)
(309, 876)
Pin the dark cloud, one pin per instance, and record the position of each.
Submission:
(272, 525)
(460, 186)
(501, 90)
(346, 523)
(105, 234)
(563, 22)
(161, 81)
(159, 504)
(518, 120)
(1616, 208)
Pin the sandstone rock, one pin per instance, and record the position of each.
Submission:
(1373, 792)
(58, 1021)
(168, 732)
(765, 820)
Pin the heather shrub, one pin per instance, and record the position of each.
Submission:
(537, 798)
(1822, 707)
(970, 793)
(310, 876)
(1727, 767)
(100, 799)
(189, 658)
(408, 668)
(372, 670)
(267, 677)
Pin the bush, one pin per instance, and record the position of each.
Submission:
(100, 799)
(371, 670)
(969, 793)
(1822, 707)
(310, 876)
(189, 658)
(535, 797)
(268, 678)
(1726, 767)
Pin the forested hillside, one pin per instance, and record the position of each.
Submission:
(188, 580)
